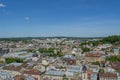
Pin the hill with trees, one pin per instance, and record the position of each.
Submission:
(115, 40)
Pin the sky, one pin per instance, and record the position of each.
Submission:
(72, 18)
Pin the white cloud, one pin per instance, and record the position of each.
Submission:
(27, 18)
(2, 5)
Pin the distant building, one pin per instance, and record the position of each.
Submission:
(69, 60)
(115, 65)
(34, 73)
(54, 75)
(19, 77)
(108, 76)
(4, 51)
(94, 57)
(84, 73)
(116, 51)
(104, 46)
(93, 76)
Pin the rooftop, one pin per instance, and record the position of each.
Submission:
(55, 73)
(108, 75)
(32, 72)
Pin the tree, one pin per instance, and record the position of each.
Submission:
(101, 70)
(64, 77)
(113, 58)
(96, 63)
(11, 60)
(84, 49)
(30, 50)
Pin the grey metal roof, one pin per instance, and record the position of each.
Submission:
(55, 73)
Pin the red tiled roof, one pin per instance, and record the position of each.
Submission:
(12, 68)
(19, 77)
(15, 68)
(32, 72)
(89, 72)
(93, 55)
(108, 75)
(115, 65)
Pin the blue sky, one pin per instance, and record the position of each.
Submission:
(80, 18)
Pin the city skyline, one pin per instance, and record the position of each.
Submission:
(41, 18)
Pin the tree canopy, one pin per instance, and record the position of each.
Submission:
(110, 39)
(10, 60)
(113, 58)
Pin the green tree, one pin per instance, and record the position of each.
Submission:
(101, 70)
(113, 58)
(64, 77)
(11, 60)
(84, 49)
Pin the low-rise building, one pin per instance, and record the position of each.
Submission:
(34, 73)
(54, 75)
(108, 76)
(94, 57)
